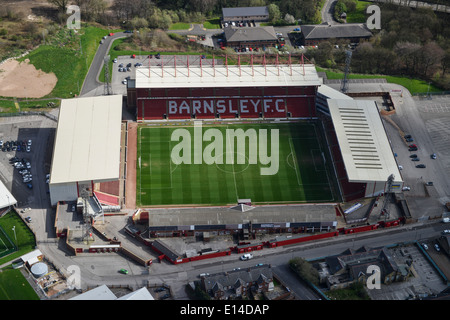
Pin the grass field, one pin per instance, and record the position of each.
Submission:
(303, 173)
(23, 238)
(13, 286)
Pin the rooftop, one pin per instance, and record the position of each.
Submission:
(6, 198)
(250, 34)
(245, 11)
(87, 144)
(363, 141)
(327, 31)
(227, 76)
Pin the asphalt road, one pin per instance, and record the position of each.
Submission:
(91, 85)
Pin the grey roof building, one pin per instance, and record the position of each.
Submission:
(257, 14)
(238, 283)
(313, 34)
(250, 36)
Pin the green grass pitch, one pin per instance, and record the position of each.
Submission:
(304, 175)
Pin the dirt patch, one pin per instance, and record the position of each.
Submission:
(23, 80)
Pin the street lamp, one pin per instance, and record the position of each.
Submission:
(14, 229)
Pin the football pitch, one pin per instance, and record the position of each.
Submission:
(278, 163)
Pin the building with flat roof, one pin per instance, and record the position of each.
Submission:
(255, 14)
(87, 146)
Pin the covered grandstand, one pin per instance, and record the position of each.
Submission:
(87, 146)
(208, 91)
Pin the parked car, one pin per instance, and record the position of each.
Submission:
(28, 219)
(413, 155)
(123, 271)
(406, 189)
(246, 256)
(433, 156)
(407, 136)
(421, 166)
(436, 246)
(429, 183)
(424, 246)
(447, 231)
(415, 159)
(412, 149)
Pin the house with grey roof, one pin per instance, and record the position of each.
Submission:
(255, 14)
(250, 37)
(314, 34)
(239, 282)
(352, 266)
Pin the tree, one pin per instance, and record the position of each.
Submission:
(304, 270)
(91, 9)
(60, 4)
(445, 61)
(274, 13)
(289, 19)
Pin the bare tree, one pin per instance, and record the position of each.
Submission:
(60, 4)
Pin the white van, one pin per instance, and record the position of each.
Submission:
(247, 256)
